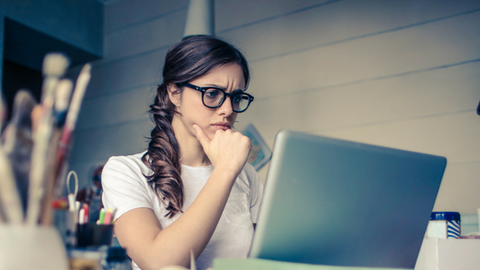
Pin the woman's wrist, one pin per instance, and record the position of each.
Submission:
(225, 173)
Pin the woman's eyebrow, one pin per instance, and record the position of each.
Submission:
(221, 87)
(212, 85)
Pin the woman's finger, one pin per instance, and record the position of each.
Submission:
(201, 136)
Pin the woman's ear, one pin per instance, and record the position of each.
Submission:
(174, 94)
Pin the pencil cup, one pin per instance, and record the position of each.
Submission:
(32, 247)
(91, 234)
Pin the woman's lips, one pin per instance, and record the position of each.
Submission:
(222, 126)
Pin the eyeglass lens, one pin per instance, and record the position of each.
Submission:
(215, 98)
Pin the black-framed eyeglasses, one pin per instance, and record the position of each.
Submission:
(213, 97)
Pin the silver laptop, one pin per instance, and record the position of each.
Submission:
(336, 202)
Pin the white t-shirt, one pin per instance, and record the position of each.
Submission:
(125, 188)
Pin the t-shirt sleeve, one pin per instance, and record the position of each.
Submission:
(256, 189)
(124, 186)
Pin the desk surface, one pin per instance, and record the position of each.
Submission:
(254, 264)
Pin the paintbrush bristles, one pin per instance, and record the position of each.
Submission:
(55, 64)
(78, 93)
(62, 94)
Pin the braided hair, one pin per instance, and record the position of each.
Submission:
(191, 58)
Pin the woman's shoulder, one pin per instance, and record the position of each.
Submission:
(125, 186)
(126, 160)
(126, 165)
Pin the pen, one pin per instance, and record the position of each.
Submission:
(109, 216)
(86, 213)
(101, 216)
(114, 210)
(77, 206)
(81, 216)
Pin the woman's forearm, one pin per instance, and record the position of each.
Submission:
(191, 231)
(194, 228)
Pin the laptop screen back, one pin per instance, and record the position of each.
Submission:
(335, 202)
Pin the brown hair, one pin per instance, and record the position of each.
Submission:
(191, 58)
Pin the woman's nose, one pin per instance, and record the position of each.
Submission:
(226, 107)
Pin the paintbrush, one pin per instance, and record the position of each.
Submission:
(1, 123)
(72, 115)
(62, 98)
(2, 111)
(9, 198)
(10, 205)
(80, 88)
(18, 143)
(54, 66)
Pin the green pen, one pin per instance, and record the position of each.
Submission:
(102, 216)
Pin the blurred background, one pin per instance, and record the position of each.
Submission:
(397, 73)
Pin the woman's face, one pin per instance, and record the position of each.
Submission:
(189, 103)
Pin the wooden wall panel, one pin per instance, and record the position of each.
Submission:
(402, 74)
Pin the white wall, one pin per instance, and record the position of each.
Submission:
(397, 73)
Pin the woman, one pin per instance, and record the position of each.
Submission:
(192, 190)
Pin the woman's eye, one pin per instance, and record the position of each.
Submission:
(237, 98)
(212, 93)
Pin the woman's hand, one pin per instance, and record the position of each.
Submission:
(227, 150)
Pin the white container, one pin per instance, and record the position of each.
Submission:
(444, 225)
(32, 247)
(449, 254)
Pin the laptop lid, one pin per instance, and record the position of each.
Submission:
(336, 202)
